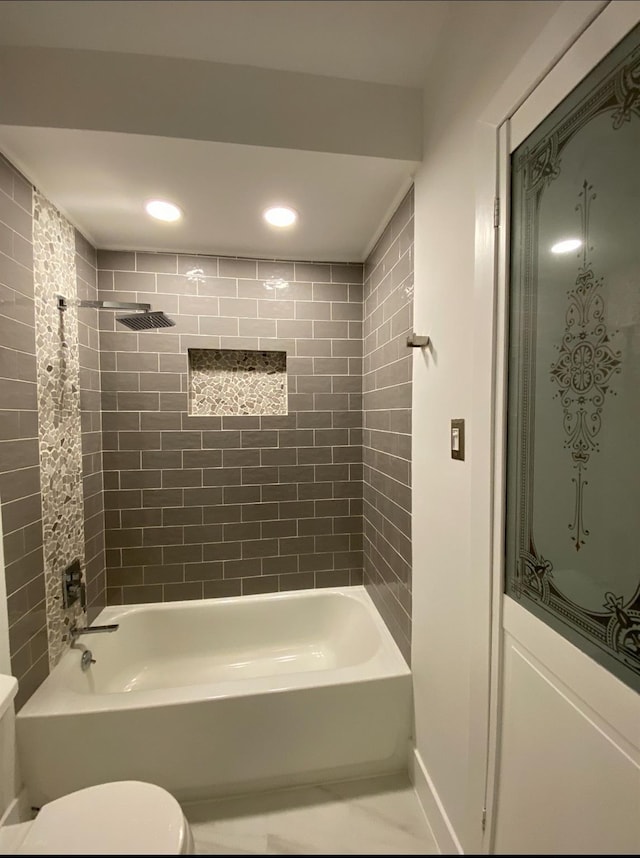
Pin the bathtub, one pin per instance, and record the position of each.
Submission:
(223, 696)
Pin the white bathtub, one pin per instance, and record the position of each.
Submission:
(223, 696)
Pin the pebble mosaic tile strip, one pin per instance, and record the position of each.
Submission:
(59, 427)
(237, 382)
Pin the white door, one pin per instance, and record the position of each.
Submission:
(566, 776)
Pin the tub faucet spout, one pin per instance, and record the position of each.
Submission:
(75, 632)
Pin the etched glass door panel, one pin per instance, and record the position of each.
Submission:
(573, 500)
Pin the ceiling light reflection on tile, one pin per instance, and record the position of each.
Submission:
(276, 284)
(195, 275)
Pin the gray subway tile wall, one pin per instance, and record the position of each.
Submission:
(19, 453)
(387, 390)
(180, 507)
(20, 464)
(201, 507)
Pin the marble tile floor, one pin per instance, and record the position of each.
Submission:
(378, 816)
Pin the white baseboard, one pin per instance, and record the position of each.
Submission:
(18, 810)
(441, 827)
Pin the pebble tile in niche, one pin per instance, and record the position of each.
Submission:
(237, 382)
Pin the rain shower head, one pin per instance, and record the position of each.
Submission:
(146, 321)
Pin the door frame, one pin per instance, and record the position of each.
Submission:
(574, 40)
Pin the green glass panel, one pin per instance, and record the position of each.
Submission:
(573, 475)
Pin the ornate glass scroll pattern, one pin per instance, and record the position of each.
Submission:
(573, 474)
(584, 368)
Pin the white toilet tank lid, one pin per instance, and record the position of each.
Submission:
(119, 818)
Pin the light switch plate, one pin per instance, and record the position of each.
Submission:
(457, 439)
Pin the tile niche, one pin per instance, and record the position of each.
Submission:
(224, 382)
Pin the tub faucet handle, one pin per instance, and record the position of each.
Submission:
(86, 660)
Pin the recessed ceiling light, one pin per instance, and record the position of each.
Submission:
(280, 216)
(162, 210)
(566, 246)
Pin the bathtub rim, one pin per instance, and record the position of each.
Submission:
(54, 699)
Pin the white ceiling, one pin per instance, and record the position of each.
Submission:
(382, 41)
(101, 181)
(100, 177)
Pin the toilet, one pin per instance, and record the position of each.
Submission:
(119, 818)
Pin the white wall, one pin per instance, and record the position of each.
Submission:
(489, 40)
(195, 100)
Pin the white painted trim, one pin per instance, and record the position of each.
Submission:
(481, 438)
(594, 44)
(443, 831)
(569, 783)
(498, 482)
(597, 691)
(19, 810)
(487, 456)
(564, 28)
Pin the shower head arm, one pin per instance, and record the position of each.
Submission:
(104, 305)
(144, 319)
(115, 305)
